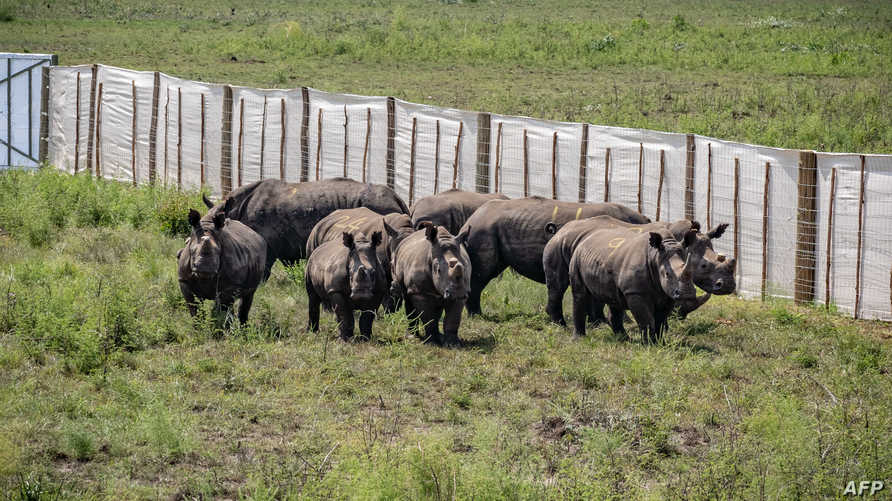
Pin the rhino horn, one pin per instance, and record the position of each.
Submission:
(207, 201)
(697, 303)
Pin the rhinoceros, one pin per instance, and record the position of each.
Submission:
(711, 272)
(511, 233)
(285, 213)
(432, 271)
(644, 272)
(393, 227)
(450, 209)
(346, 276)
(223, 260)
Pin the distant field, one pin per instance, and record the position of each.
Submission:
(108, 390)
(792, 74)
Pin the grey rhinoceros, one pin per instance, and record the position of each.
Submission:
(223, 260)
(450, 209)
(285, 213)
(346, 276)
(643, 272)
(432, 271)
(712, 272)
(393, 227)
(511, 233)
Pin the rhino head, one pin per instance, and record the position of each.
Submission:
(450, 266)
(712, 271)
(362, 265)
(675, 274)
(203, 245)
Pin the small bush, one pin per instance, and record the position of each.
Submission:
(81, 444)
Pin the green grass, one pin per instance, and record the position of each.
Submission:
(792, 74)
(108, 389)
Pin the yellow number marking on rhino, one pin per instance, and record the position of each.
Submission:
(636, 229)
(614, 244)
(578, 212)
(352, 225)
(554, 213)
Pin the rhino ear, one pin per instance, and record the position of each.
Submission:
(376, 239)
(656, 241)
(179, 253)
(463, 235)
(550, 228)
(690, 237)
(389, 229)
(718, 231)
(194, 218)
(423, 225)
(348, 241)
(219, 220)
(431, 233)
(695, 225)
(206, 200)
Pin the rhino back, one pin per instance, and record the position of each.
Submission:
(285, 213)
(451, 208)
(327, 268)
(244, 255)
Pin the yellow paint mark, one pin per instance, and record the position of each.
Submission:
(578, 212)
(636, 229)
(554, 213)
(614, 244)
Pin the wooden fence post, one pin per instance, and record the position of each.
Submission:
(133, 132)
(660, 185)
(412, 163)
(263, 136)
(91, 124)
(203, 142)
(282, 124)
(98, 131)
(804, 289)
(640, 174)
(860, 238)
(43, 148)
(226, 143)
(607, 176)
(305, 136)
(77, 124)
(689, 210)
(391, 143)
(179, 138)
(153, 128)
(241, 139)
(166, 133)
(829, 238)
(437, 160)
(709, 186)
(737, 215)
(365, 150)
(554, 143)
(583, 163)
(319, 145)
(526, 165)
(345, 140)
(461, 128)
(765, 197)
(484, 124)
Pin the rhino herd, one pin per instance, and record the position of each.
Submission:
(365, 249)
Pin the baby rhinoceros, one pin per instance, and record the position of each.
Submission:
(642, 272)
(223, 260)
(432, 272)
(346, 276)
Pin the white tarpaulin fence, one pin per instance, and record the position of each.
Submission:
(135, 126)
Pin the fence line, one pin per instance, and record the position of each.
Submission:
(780, 241)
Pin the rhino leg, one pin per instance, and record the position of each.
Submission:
(596, 313)
(412, 315)
(245, 306)
(581, 304)
(429, 310)
(473, 302)
(616, 322)
(365, 323)
(191, 303)
(555, 306)
(451, 323)
(344, 313)
(313, 304)
(643, 312)
(224, 310)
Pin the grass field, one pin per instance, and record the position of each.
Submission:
(109, 390)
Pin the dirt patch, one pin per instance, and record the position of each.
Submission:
(552, 428)
(688, 439)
